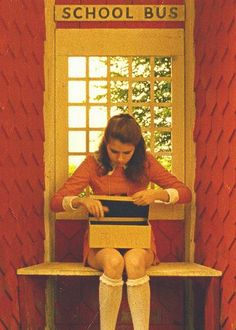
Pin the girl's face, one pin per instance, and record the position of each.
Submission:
(119, 153)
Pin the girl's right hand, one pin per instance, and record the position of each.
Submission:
(93, 206)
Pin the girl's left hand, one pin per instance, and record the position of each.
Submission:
(146, 197)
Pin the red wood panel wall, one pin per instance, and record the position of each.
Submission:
(77, 304)
(21, 160)
(215, 136)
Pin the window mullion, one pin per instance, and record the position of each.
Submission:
(152, 129)
(130, 88)
(108, 87)
(87, 104)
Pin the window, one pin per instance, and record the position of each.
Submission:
(100, 87)
(95, 83)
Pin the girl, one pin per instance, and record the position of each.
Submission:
(121, 166)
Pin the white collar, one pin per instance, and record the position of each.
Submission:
(114, 167)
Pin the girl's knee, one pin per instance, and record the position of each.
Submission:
(114, 266)
(135, 265)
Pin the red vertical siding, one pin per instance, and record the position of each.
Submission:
(21, 159)
(215, 136)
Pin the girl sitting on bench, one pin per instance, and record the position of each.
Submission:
(121, 166)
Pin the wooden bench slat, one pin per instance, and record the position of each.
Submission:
(59, 268)
(179, 269)
(182, 269)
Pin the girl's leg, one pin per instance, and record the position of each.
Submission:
(110, 261)
(110, 288)
(138, 288)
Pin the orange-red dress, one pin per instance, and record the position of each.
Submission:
(88, 174)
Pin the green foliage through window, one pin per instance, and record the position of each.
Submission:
(140, 85)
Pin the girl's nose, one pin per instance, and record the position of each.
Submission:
(120, 158)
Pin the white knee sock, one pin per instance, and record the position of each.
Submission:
(110, 295)
(138, 293)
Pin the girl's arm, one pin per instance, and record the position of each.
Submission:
(171, 189)
(63, 198)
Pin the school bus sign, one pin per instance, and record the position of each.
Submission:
(119, 13)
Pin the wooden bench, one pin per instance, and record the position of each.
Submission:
(178, 269)
(189, 270)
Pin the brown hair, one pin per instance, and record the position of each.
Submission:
(124, 128)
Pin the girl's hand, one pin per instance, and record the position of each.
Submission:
(93, 206)
(148, 196)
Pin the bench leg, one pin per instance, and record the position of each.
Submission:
(188, 305)
(50, 303)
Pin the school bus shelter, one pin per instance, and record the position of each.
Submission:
(182, 54)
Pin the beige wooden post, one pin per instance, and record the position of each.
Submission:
(190, 214)
(49, 152)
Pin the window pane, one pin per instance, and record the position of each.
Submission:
(77, 116)
(141, 67)
(119, 66)
(162, 67)
(97, 116)
(117, 110)
(77, 141)
(76, 91)
(165, 161)
(162, 91)
(98, 91)
(119, 91)
(141, 91)
(76, 67)
(97, 67)
(162, 141)
(162, 116)
(95, 138)
(147, 139)
(142, 115)
(74, 162)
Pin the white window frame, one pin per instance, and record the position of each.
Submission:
(113, 42)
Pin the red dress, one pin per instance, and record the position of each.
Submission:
(87, 174)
